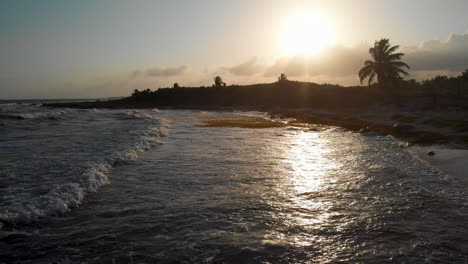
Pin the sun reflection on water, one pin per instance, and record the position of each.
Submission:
(309, 162)
(311, 167)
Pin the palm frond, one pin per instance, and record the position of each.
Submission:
(368, 63)
(400, 71)
(392, 49)
(371, 78)
(365, 72)
(373, 53)
(398, 64)
(395, 56)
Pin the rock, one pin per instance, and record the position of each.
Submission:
(431, 153)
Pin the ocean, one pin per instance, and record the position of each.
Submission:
(153, 186)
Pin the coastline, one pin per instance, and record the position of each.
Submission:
(450, 148)
(419, 138)
(451, 161)
(436, 128)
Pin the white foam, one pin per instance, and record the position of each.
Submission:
(62, 197)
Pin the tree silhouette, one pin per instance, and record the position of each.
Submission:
(464, 75)
(463, 80)
(282, 78)
(176, 85)
(219, 82)
(386, 66)
(435, 85)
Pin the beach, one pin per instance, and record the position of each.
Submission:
(219, 186)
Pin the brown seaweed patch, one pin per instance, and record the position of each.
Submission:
(417, 137)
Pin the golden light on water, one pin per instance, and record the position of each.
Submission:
(306, 33)
(312, 173)
(309, 162)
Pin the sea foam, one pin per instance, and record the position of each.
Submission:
(25, 202)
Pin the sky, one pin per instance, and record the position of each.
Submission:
(107, 48)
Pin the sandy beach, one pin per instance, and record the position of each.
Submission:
(450, 160)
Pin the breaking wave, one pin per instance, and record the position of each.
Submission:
(55, 176)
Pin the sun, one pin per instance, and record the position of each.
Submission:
(306, 33)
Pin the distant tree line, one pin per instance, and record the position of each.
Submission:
(384, 74)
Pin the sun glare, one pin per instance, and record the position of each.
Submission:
(306, 33)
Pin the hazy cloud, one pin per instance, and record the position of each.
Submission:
(451, 54)
(250, 67)
(430, 58)
(336, 64)
(160, 71)
(334, 61)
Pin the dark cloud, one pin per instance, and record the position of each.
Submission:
(161, 71)
(451, 54)
(250, 67)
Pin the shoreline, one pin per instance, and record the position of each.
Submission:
(357, 120)
(451, 149)
(451, 161)
(354, 119)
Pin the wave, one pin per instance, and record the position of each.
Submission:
(14, 111)
(62, 197)
(38, 115)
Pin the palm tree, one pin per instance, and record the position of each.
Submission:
(219, 82)
(282, 78)
(386, 66)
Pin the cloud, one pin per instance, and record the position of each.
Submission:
(248, 68)
(339, 63)
(335, 64)
(431, 55)
(160, 71)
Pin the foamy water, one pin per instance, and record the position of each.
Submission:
(223, 195)
(52, 158)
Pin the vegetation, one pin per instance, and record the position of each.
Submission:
(449, 91)
(218, 82)
(386, 69)
(386, 66)
(282, 78)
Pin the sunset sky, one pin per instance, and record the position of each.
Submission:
(88, 49)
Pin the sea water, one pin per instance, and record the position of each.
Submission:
(152, 186)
